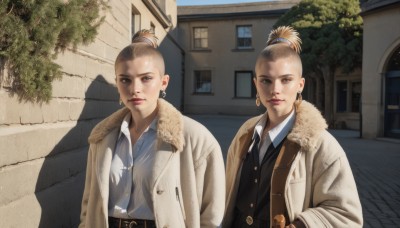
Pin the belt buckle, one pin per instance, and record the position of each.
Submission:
(249, 220)
(132, 224)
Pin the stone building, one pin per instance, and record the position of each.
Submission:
(221, 43)
(381, 69)
(43, 147)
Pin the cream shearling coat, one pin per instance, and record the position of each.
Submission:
(188, 172)
(320, 189)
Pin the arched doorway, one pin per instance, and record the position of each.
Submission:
(392, 96)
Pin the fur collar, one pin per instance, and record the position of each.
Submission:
(169, 125)
(308, 125)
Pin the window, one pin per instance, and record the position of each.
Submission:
(355, 96)
(135, 21)
(341, 102)
(394, 62)
(244, 35)
(202, 81)
(348, 96)
(244, 86)
(200, 38)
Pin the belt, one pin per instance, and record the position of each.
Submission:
(130, 223)
(241, 218)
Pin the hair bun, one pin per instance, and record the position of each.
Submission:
(145, 36)
(285, 34)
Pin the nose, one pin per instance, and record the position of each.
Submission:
(276, 87)
(135, 87)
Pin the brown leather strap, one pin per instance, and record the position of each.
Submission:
(280, 174)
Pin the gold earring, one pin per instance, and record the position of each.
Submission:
(258, 102)
(120, 101)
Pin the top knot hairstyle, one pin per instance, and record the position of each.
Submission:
(145, 36)
(285, 34)
(144, 43)
(283, 42)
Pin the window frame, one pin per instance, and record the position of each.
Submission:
(253, 90)
(200, 38)
(250, 46)
(196, 82)
(135, 21)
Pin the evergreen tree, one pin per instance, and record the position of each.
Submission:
(331, 32)
(32, 33)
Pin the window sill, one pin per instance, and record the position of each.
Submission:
(243, 50)
(200, 50)
(203, 94)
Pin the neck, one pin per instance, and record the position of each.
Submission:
(274, 120)
(140, 122)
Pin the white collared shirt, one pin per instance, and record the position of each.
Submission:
(275, 135)
(130, 190)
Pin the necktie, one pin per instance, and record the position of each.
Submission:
(254, 150)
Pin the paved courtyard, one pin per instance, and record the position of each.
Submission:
(375, 164)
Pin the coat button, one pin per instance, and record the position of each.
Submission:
(249, 220)
(159, 192)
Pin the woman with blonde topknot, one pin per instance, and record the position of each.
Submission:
(283, 167)
(148, 165)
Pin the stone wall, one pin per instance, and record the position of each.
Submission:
(43, 147)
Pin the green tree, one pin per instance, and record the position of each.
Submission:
(331, 32)
(32, 33)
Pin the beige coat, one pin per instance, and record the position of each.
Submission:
(188, 172)
(320, 189)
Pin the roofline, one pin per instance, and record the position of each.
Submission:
(225, 16)
(377, 6)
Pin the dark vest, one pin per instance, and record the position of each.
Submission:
(252, 208)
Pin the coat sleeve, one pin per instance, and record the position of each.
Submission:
(211, 173)
(335, 200)
(86, 190)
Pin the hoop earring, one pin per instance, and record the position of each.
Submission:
(163, 94)
(258, 102)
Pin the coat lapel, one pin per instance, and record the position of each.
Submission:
(162, 160)
(103, 161)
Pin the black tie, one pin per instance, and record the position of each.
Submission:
(254, 151)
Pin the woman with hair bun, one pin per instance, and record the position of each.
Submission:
(148, 165)
(283, 167)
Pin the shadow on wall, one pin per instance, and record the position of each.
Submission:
(60, 183)
(174, 58)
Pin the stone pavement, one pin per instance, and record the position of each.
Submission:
(375, 164)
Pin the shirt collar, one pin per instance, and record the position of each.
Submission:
(125, 125)
(278, 133)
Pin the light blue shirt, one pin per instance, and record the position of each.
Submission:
(130, 190)
(275, 135)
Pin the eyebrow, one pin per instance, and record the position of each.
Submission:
(280, 76)
(139, 75)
